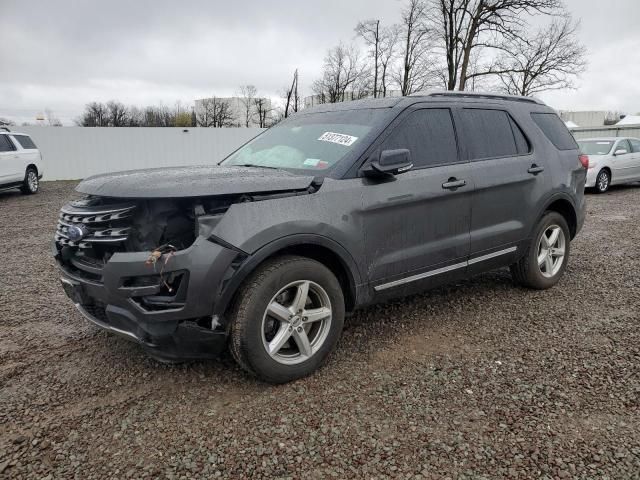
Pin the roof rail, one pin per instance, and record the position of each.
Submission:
(478, 95)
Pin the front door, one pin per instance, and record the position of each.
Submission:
(417, 223)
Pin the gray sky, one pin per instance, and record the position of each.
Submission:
(62, 54)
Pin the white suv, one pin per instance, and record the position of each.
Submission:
(20, 162)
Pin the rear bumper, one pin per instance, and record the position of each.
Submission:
(592, 173)
(126, 298)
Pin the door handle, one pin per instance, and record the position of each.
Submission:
(535, 169)
(453, 183)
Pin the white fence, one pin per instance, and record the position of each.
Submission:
(613, 131)
(78, 152)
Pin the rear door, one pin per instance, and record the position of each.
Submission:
(27, 151)
(635, 148)
(9, 161)
(417, 223)
(509, 183)
(622, 165)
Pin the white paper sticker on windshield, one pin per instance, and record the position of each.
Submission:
(603, 143)
(339, 138)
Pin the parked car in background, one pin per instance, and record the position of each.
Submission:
(20, 162)
(612, 161)
(335, 208)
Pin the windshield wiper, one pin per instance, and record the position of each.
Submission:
(257, 166)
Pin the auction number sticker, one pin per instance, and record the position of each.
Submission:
(339, 138)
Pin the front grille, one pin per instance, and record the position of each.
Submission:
(84, 225)
(90, 231)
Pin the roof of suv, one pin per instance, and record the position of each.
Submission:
(390, 102)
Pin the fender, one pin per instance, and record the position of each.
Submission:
(224, 297)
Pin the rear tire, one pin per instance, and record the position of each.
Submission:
(603, 181)
(31, 183)
(547, 255)
(286, 319)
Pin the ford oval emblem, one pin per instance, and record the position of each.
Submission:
(76, 233)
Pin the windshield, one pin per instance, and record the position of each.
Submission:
(314, 142)
(595, 147)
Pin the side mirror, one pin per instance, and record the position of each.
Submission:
(391, 162)
(620, 151)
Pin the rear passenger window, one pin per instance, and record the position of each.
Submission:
(555, 130)
(25, 141)
(5, 144)
(635, 144)
(491, 134)
(429, 135)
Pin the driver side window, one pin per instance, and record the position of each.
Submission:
(429, 135)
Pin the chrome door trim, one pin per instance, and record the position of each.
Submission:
(449, 268)
(489, 256)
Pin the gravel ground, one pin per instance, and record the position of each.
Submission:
(476, 380)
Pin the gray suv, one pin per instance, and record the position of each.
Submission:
(333, 209)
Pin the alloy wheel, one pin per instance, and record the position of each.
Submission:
(32, 181)
(551, 251)
(296, 322)
(603, 181)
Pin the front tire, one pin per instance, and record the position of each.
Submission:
(603, 181)
(31, 182)
(546, 258)
(286, 319)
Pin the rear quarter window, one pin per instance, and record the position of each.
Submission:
(555, 130)
(25, 141)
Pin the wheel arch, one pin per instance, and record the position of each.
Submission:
(563, 205)
(608, 169)
(317, 247)
(33, 166)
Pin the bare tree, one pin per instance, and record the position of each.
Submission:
(464, 27)
(291, 96)
(5, 122)
(416, 70)
(369, 30)
(342, 67)
(388, 52)
(205, 112)
(214, 112)
(263, 111)
(117, 114)
(247, 95)
(550, 60)
(136, 117)
(51, 119)
(95, 115)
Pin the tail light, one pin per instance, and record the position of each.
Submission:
(584, 160)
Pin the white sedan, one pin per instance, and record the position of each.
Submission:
(612, 161)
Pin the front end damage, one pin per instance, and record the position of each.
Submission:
(150, 269)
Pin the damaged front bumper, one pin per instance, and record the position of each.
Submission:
(172, 321)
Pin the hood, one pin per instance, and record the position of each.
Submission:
(201, 181)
